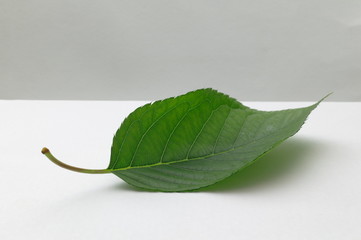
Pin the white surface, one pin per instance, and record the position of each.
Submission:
(141, 49)
(307, 188)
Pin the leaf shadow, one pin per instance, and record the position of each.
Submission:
(280, 164)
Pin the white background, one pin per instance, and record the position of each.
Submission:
(306, 188)
(140, 49)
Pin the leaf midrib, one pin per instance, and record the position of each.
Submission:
(198, 158)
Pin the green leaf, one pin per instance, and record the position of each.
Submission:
(196, 140)
(193, 140)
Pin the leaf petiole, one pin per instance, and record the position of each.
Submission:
(50, 156)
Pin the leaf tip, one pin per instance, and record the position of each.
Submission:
(322, 99)
(44, 150)
(329, 94)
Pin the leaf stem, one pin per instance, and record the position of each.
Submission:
(50, 156)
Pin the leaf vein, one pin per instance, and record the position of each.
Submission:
(240, 129)
(200, 131)
(171, 134)
(220, 130)
(149, 128)
(126, 134)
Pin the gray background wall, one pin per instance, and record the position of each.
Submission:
(150, 49)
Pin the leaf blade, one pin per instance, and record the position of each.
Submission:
(213, 139)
